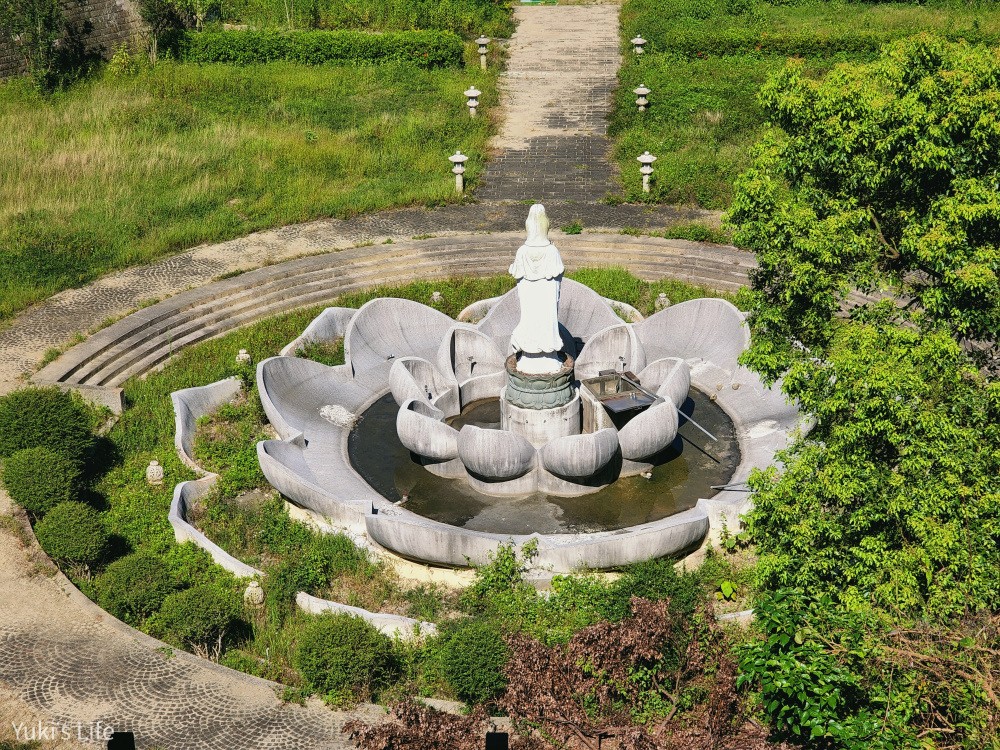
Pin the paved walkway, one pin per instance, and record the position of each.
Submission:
(66, 663)
(556, 95)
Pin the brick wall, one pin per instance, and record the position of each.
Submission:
(114, 22)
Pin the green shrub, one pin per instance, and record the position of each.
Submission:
(341, 656)
(73, 532)
(428, 49)
(134, 587)
(472, 661)
(467, 17)
(311, 567)
(34, 417)
(40, 478)
(198, 618)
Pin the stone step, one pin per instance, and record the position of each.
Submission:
(149, 337)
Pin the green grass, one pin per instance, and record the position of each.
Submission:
(704, 118)
(467, 17)
(118, 172)
(701, 124)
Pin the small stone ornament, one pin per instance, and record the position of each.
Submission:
(642, 93)
(254, 595)
(472, 95)
(483, 43)
(662, 302)
(646, 160)
(243, 357)
(459, 159)
(154, 474)
(437, 298)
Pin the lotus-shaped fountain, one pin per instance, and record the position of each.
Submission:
(585, 399)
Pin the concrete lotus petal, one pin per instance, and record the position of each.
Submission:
(703, 330)
(582, 313)
(495, 454)
(580, 455)
(416, 378)
(293, 390)
(650, 432)
(669, 377)
(326, 328)
(421, 430)
(475, 361)
(386, 329)
(608, 350)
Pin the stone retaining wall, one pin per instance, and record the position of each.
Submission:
(113, 22)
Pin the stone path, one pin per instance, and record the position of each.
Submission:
(556, 97)
(66, 663)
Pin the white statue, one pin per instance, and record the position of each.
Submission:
(538, 269)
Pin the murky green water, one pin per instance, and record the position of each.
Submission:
(684, 472)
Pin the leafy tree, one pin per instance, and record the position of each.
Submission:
(883, 177)
(162, 17)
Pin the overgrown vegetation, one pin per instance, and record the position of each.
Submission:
(123, 170)
(706, 61)
(878, 538)
(54, 52)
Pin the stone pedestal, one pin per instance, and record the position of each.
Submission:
(541, 426)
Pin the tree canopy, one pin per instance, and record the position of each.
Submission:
(874, 211)
(881, 177)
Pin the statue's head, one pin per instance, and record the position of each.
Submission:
(537, 225)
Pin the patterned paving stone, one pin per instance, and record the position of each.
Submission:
(556, 96)
(63, 659)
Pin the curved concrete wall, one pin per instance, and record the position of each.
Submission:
(190, 405)
(186, 493)
(329, 325)
(394, 626)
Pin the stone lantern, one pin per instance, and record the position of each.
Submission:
(637, 44)
(483, 43)
(662, 302)
(642, 92)
(459, 159)
(243, 357)
(154, 474)
(646, 160)
(473, 100)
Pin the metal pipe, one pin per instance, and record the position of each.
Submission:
(660, 398)
(696, 424)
